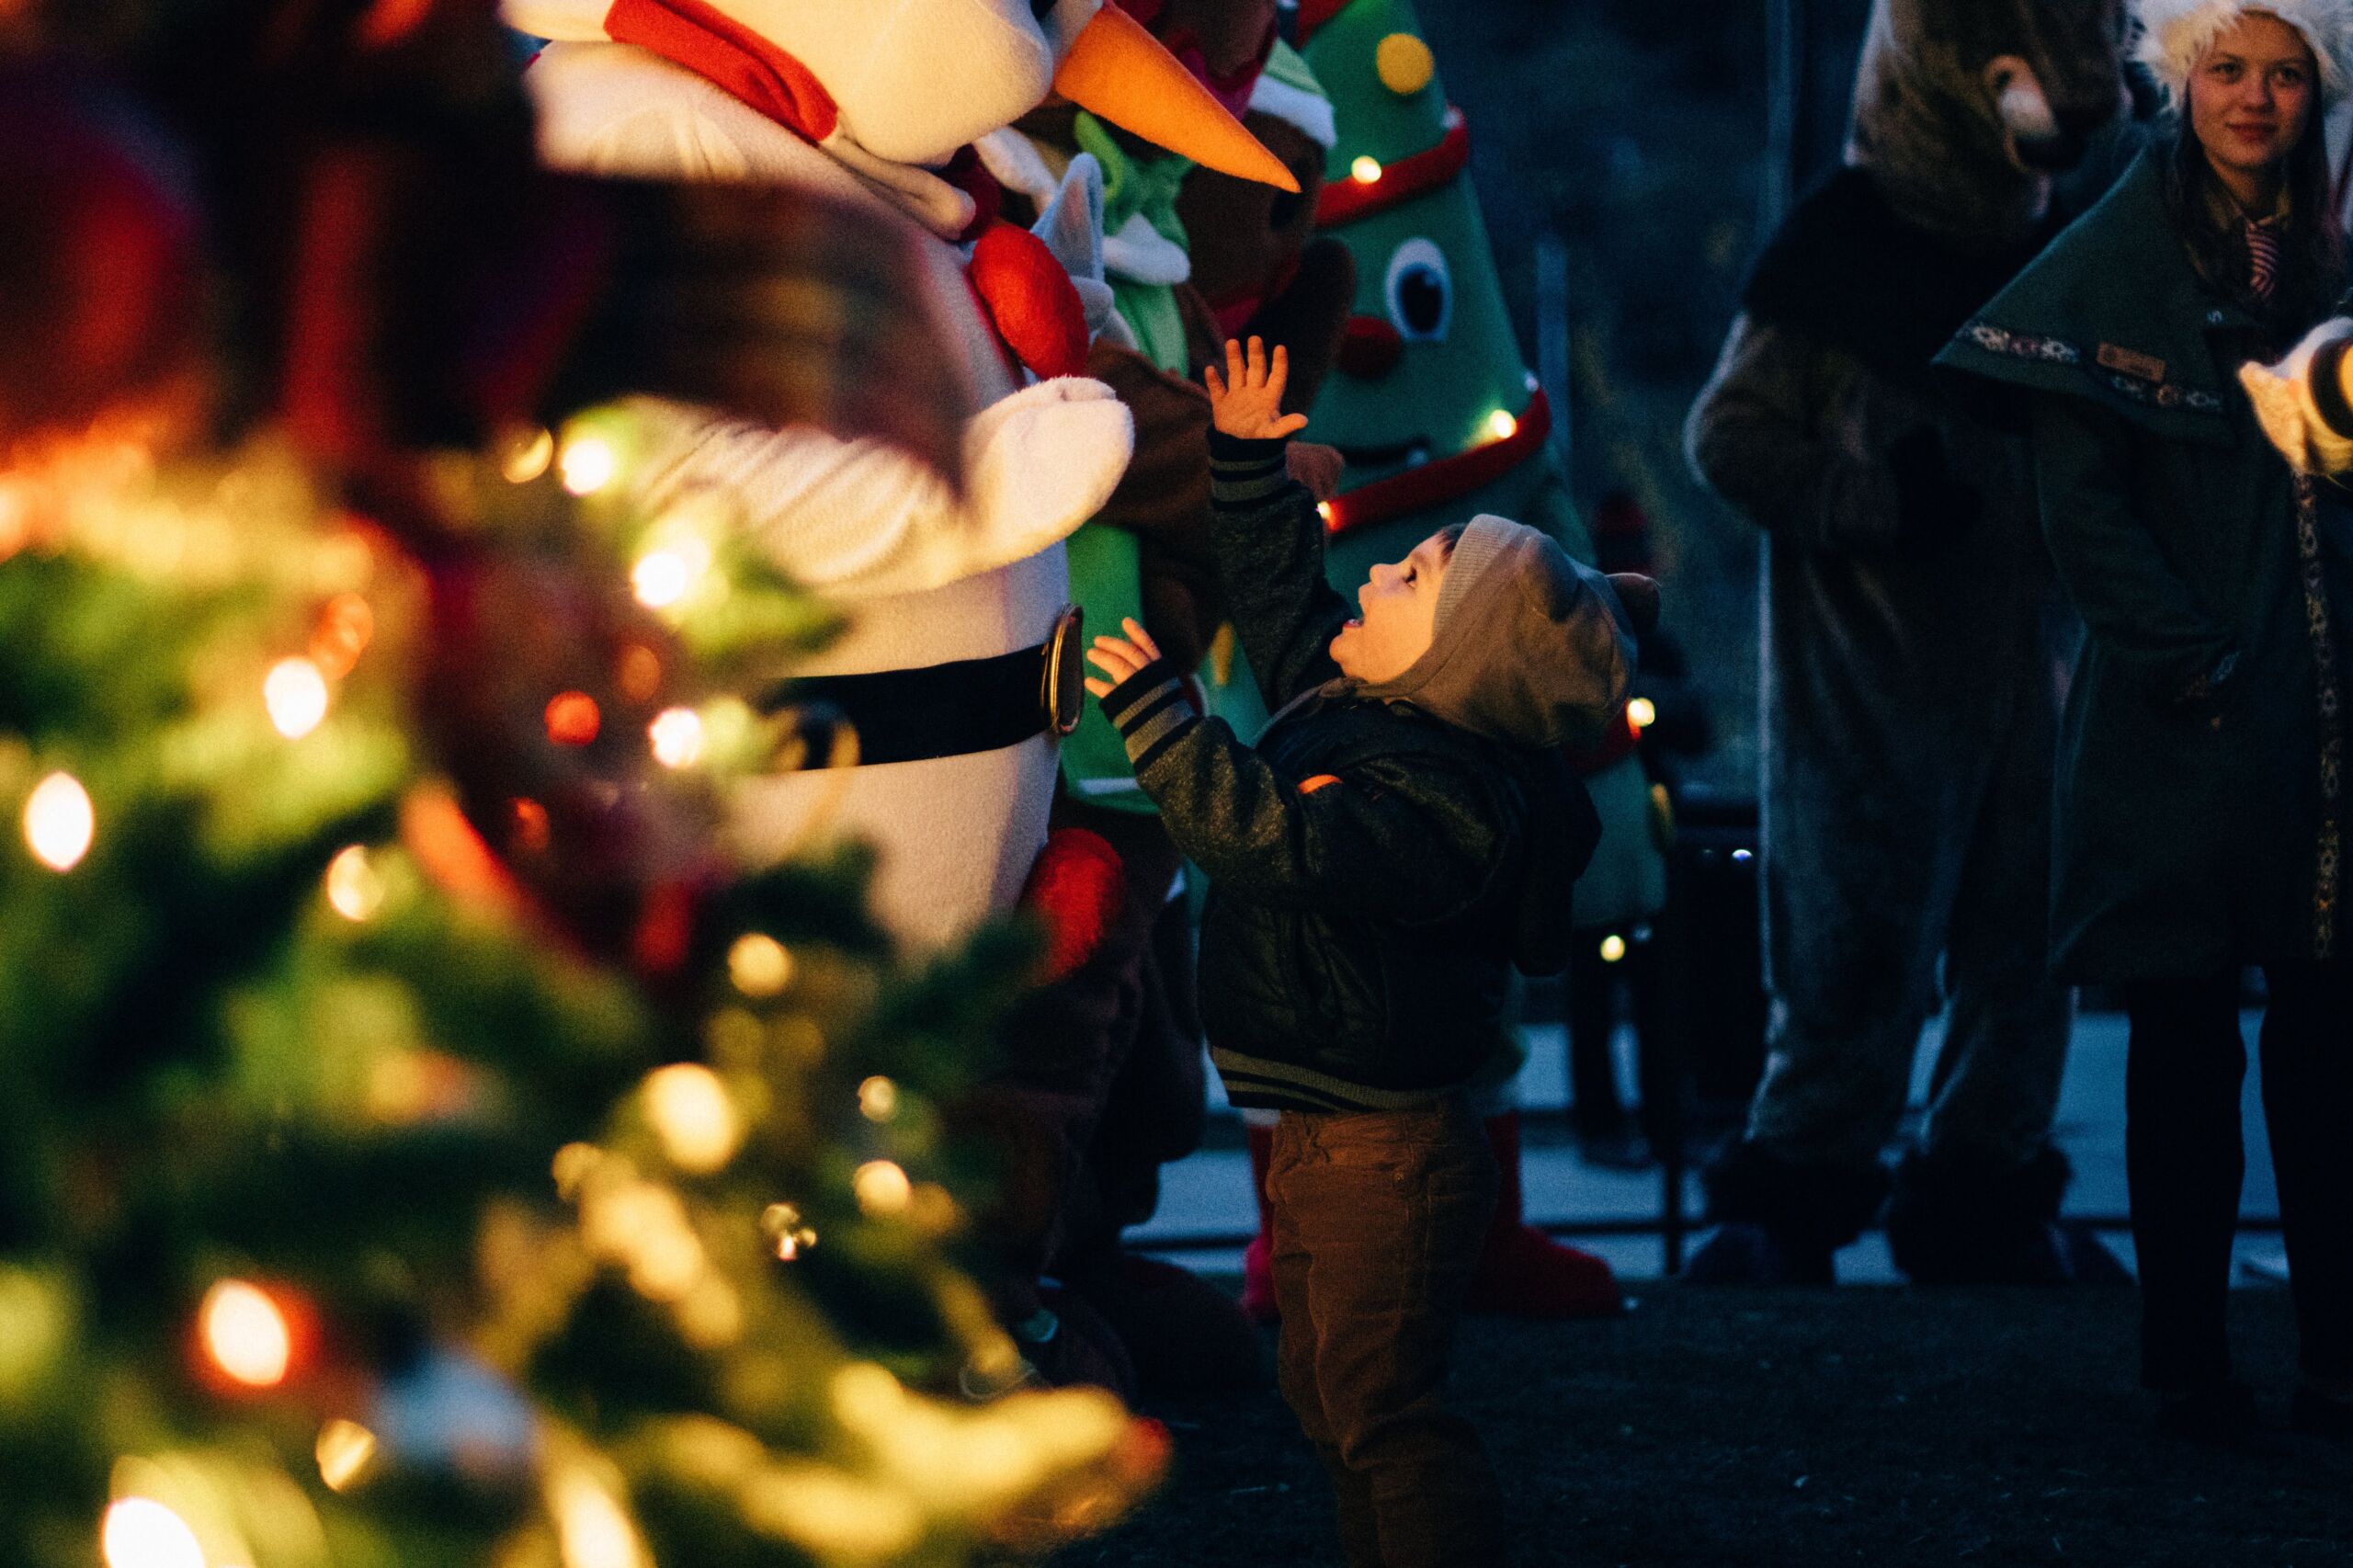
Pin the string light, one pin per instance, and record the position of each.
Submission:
(245, 1334)
(140, 1532)
(882, 1188)
(1501, 425)
(660, 579)
(355, 889)
(877, 1098)
(790, 1238)
(345, 1450)
(58, 821)
(586, 464)
(591, 1530)
(758, 964)
(1642, 712)
(676, 734)
(295, 692)
(1613, 948)
(693, 1116)
(1365, 170)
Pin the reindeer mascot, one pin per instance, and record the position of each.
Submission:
(1909, 703)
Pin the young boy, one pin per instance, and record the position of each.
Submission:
(1402, 833)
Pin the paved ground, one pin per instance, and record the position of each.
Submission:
(1794, 1428)
(1208, 1196)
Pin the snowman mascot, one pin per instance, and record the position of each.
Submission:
(957, 601)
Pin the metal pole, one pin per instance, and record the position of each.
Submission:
(1784, 93)
(1552, 342)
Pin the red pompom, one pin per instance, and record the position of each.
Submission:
(1074, 888)
(1031, 300)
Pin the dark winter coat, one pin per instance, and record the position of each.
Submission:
(2191, 835)
(1374, 873)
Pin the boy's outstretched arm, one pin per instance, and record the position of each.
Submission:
(1411, 838)
(1264, 529)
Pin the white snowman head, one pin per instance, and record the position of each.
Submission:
(911, 80)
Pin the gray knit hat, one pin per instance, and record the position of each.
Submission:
(1527, 646)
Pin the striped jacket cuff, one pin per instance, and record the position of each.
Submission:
(1243, 472)
(1150, 711)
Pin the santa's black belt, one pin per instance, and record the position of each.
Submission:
(968, 705)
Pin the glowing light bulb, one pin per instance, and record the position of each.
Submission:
(345, 1450)
(1613, 948)
(1365, 170)
(676, 734)
(877, 1098)
(586, 464)
(140, 1532)
(573, 719)
(882, 1188)
(1405, 64)
(758, 964)
(693, 1116)
(1501, 425)
(245, 1334)
(295, 692)
(1323, 510)
(59, 822)
(1642, 712)
(355, 889)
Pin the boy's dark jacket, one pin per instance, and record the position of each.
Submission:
(1374, 873)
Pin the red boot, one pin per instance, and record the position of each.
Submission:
(1259, 1258)
(1525, 1272)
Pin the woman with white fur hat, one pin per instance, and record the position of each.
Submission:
(2199, 801)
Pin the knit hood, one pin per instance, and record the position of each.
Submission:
(2173, 33)
(1529, 647)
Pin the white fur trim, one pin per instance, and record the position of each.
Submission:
(1141, 254)
(1311, 113)
(559, 21)
(2175, 32)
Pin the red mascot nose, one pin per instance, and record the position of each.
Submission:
(1368, 347)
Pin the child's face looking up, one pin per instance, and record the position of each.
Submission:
(1399, 605)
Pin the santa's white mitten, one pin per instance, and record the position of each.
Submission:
(2301, 401)
(1046, 458)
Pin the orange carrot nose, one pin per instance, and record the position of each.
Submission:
(1121, 72)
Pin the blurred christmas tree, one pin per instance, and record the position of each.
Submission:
(418, 1143)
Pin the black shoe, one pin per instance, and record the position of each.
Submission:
(2316, 1415)
(2218, 1416)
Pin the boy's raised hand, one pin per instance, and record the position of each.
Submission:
(1248, 400)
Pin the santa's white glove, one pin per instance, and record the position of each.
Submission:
(2289, 408)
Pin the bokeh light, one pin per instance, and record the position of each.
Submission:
(345, 1450)
(587, 464)
(1613, 948)
(1642, 712)
(676, 734)
(758, 964)
(1365, 170)
(573, 719)
(882, 1188)
(693, 1116)
(526, 453)
(355, 888)
(877, 1098)
(245, 1334)
(58, 821)
(140, 1532)
(1501, 425)
(295, 692)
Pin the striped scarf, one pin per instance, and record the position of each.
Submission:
(2262, 255)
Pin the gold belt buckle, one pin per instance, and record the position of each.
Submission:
(1062, 690)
